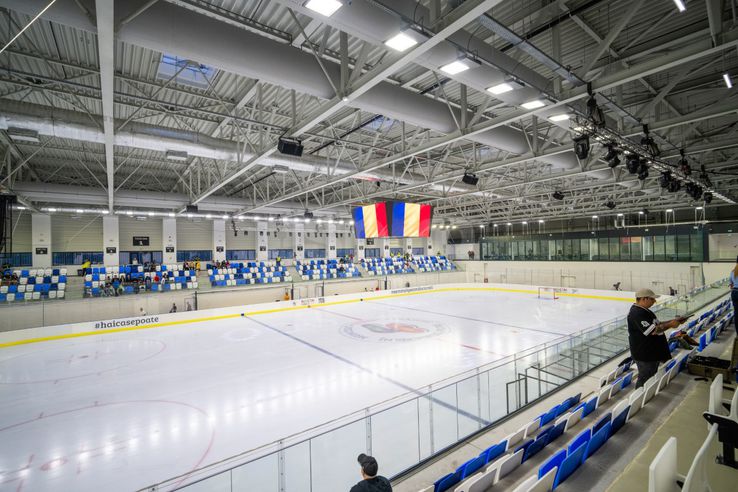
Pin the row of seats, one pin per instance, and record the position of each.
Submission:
(494, 463)
(35, 284)
(106, 277)
(95, 289)
(249, 264)
(39, 272)
(325, 269)
(386, 266)
(426, 263)
(134, 269)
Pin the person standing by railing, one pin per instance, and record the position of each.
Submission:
(734, 293)
(371, 482)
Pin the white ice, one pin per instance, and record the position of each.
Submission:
(122, 411)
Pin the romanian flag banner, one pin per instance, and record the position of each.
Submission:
(371, 221)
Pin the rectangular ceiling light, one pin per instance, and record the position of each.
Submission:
(500, 88)
(23, 135)
(680, 5)
(534, 104)
(559, 117)
(401, 42)
(176, 155)
(324, 7)
(458, 66)
(728, 82)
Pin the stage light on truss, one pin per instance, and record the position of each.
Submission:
(581, 146)
(707, 197)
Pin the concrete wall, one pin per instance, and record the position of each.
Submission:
(723, 247)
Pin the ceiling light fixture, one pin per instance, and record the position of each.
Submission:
(534, 104)
(500, 88)
(728, 81)
(324, 7)
(559, 117)
(461, 65)
(680, 5)
(401, 42)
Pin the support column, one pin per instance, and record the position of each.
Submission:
(262, 241)
(330, 242)
(384, 244)
(41, 240)
(439, 240)
(169, 240)
(111, 241)
(219, 240)
(407, 245)
(360, 254)
(299, 242)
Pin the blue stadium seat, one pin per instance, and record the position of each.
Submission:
(12, 289)
(3, 297)
(598, 439)
(569, 465)
(446, 482)
(493, 452)
(20, 296)
(553, 462)
(525, 445)
(590, 406)
(619, 421)
(128, 289)
(605, 419)
(535, 447)
(556, 431)
(581, 439)
(471, 467)
(549, 416)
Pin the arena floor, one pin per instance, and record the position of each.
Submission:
(121, 411)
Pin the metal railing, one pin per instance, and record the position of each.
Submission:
(409, 429)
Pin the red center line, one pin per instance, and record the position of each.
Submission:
(479, 349)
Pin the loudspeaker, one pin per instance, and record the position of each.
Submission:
(470, 179)
(290, 147)
(191, 209)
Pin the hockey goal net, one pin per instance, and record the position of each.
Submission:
(551, 293)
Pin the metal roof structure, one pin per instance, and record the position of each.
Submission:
(182, 102)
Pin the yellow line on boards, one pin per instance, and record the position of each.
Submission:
(293, 308)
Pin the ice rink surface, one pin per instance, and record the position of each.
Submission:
(121, 411)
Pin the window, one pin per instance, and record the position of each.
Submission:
(371, 252)
(670, 248)
(315, 253)
(614, 249)
(658, 248)
(395, 251)
(285, 254)
(682, 243)
(76, 258)
(636, 252)
(344, 252)
(647, 248)
(190, 73)
(189, 255)
(239, 254)
(696, 247)
(16, 259)
(418, 251)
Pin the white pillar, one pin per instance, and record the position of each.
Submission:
(384, 244)
(360, 247)
(330, 242)
(262, 241)
(439, 240)
(169, 240)
(41, 240)
(111, 241)
(408, 245)
(299, 242)
(219, 241)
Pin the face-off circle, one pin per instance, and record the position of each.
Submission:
(404, 330)
(241, 334)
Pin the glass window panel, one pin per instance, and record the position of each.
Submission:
(647, 248)
(333, 456)
(445, 422)
(636, 251)
(264, 471)
(625, 248)
(614, 249)
(584, 249)
(670, 248)
(395, 437)
(469, 406)
(696, 247)
(594, 252)
(682, 245)
(558, 249)
(604, 248)
(658, 248)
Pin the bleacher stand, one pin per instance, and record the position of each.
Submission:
(33, 285)
(265, 272)
(432, 264)
(386, 266)
(325, 269)
(132, 279)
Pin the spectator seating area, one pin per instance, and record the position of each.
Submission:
(33, 285)
(386, 266)
(265, 272)
(432, 264)
(500, 459)
(132, 279)
(325, 269)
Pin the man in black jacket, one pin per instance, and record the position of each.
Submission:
(371, 481)
(648, 344)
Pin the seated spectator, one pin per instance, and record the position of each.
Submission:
(109, 290)
(174, 308)
(119, 291)
(156, 278)
(14, 279)
(147, 283)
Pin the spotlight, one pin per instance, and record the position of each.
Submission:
(665, 179)
(675, 186)
(470, 179)
(632, 164)
(707, 197)
(642, 171)
(581, 146)
(684, 166)
(557, 195)
(649, 143)
(610, 204)
(615, 162)
(611, 153)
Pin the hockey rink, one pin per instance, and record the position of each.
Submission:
(121, 411)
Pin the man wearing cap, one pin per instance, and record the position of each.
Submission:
(648, 344)
(371, 481)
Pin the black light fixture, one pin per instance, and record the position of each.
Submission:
(308, 214)
(707, 197)
(612, 156)
(557, 195)
(581, 146)
(684, 166)
(290, 146)
(643, 171)
(665, 179)
(610, 204)
(470, 179)
(648, 142)
(674, 186)
(632, 164)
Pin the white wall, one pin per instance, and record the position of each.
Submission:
(169, 240)
(21, 231)
(129, 227)
(461, 251)
(195, 234)
(76, 233)
(111, 239)
(723, 246)
(41, 238)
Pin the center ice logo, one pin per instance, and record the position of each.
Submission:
(403, 331)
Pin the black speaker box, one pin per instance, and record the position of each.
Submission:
(290, 147)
